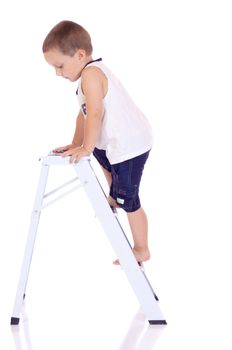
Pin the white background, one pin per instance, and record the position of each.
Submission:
(174, 57)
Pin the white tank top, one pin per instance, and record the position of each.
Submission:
(125, 131)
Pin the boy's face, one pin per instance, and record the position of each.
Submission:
(66, 66)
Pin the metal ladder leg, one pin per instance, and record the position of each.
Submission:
(35, 216)
(120, 243)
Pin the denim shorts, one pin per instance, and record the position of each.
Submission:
(126, 177)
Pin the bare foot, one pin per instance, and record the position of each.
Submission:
(140, 256)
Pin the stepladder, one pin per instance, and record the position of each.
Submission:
(86, 178)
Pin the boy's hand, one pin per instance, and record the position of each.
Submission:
(76, 154)
(63, 148)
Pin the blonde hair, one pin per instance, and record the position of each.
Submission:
(68, 37)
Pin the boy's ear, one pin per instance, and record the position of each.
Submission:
(80, 54)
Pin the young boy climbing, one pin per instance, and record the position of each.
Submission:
(109, 124)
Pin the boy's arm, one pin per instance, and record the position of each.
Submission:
(77, 138)
(92, 86)
(79, 132)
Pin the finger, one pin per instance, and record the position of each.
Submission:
(74, 158)
(59, 149)
(66, 153)
(69, 152)
(58, 152)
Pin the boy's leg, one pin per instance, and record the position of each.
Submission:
(139, 229)
(108, 176)
(100, 155)
(129, 173)
(127, 177)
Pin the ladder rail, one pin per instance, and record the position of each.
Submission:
(121, 246)
(28, 252)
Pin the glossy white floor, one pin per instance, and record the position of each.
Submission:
(174, 57)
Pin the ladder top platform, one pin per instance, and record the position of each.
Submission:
(53, 159)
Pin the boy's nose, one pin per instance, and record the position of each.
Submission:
(58, 72)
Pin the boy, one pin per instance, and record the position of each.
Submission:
(109, 124)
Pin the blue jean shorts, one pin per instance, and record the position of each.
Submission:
(126, 177)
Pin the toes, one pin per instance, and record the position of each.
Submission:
(116, 262)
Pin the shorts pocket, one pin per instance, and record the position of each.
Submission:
(125, 195)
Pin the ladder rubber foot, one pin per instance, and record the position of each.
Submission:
(14, 321)
(156, 298)
(158, 322)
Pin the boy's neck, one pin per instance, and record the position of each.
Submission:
(88, 59)
(91, 60)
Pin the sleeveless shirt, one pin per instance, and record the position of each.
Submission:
(125, 131)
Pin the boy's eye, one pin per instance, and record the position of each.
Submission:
(60, 67)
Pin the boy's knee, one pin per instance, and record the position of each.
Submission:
(127, 197)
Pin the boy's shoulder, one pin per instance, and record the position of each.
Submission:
(93, 79)
(92, 74)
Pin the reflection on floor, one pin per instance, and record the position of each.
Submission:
(139, 336)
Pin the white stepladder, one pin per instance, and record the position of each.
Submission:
(118, 239)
